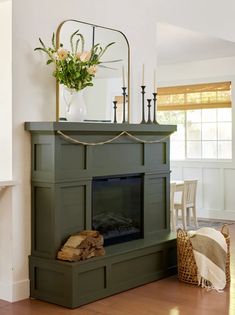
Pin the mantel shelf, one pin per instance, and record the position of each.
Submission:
(99, 127)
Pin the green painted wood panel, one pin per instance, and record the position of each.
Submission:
(72, 210)
(56, 160)
(156, 206)
(136, 268)
(56, 284)
(73, 157)
(87, 281)
(42, 226)
(62, 175)
(43, 161)
(156, 155)
(114, 156)
(96, 276)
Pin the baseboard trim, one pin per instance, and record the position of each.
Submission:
(16, 291)
(216, 214)
(6, 291)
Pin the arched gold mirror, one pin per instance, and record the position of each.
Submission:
(112, 72)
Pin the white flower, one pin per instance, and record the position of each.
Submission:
(62, 54)
(92, 70)
(85, 56)
(55, 56)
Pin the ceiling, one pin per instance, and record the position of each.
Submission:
(178, 45)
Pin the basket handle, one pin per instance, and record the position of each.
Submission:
(225, 229)
(181, 232)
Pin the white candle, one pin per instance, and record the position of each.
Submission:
(154, 81)
(143, 75)
(123, 76)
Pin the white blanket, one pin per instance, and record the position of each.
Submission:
(210, 250)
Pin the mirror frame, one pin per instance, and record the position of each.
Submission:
(57, 47)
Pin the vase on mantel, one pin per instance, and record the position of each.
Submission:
(75, 104)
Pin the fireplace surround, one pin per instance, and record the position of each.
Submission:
(63, 178)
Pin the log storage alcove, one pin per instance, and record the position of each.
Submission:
(62, 205)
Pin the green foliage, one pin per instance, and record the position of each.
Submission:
(75, 68)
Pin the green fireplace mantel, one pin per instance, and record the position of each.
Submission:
(99, 127)
(62, 174)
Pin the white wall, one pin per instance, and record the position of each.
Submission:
(34, 89)
(96, 100)
(5, 91)
(6, 228)
(6, 258)
(215, 190)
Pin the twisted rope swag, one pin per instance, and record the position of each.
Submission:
(110, 140)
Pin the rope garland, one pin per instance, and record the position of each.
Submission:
(110, 140)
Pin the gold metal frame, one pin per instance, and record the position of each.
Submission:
(57, 46)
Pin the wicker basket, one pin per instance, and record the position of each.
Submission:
(187, 268)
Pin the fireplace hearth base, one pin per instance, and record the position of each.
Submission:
(124, 266)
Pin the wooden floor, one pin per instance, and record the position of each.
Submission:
(164, 297)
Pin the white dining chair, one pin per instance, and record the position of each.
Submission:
(187, 203)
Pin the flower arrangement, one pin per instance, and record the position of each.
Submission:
(75, 68)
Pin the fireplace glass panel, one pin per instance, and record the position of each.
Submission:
(117, 205)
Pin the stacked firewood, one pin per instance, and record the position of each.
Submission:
(81, 246)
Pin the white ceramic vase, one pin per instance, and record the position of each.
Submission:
(75, 104)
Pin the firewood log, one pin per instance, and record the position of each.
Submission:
(90, 241)
(74, 241)
(99, 252)
(81, 246)
(70, 254)
(91, 233)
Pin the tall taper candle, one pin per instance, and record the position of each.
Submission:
(154, 81)
(123, 76)
(143, 75)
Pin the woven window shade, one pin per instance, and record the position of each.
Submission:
(198, 96)
(119, 99)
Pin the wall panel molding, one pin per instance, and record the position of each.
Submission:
(215, 197)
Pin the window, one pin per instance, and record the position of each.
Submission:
(204, 120)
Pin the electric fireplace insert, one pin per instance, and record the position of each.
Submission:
(117, 207)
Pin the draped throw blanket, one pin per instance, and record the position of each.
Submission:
(210, 250)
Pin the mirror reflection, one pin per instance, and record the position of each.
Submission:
(111, 75)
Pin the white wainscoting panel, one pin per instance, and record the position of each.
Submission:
(229, 188)
(212, 189)
(176, 173)
(216, 186)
